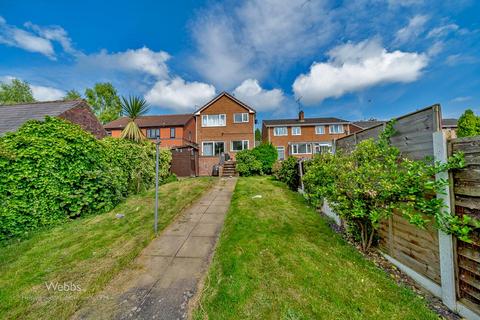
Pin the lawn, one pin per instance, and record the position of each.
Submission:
(84, 254)
(278, 259)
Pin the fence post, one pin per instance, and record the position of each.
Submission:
(445, 241)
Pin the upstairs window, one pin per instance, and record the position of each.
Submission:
(336, 128)
(240, 117)
(280, 131)
(296, 131)
(214, 120)
(153, 133)
(319, 129)
(172, 133)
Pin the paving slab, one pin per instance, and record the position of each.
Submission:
(166, 274)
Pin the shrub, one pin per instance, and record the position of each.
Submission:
(288, 172)
(267, 154)
(247, 164)
(468, 124)
(53, 170)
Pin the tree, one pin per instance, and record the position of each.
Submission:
(105, 102)
(133, 107)
(258, 135)
(468, 124)
(72, 95)
(16, 91)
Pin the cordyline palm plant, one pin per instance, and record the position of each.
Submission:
(133, 107)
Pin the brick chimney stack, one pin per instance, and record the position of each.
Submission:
(301, 116)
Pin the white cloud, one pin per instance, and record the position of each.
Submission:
(41, 93)
(461, 99)
(54, 33)
(179, 95)
(415, 26)
(353, 67)
(442, 30)
(260, 99)
(251, 39)
(140, 60)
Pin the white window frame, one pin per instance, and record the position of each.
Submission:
(342, 130)
(243, 145)
(245, 117)
(278, 135)
(213, 145)
(206, 116)
(299, 131)
(283, 150)
(318, 131)
(320, 144)
(297, 144)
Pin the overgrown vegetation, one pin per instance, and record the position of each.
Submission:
(258, 160)
(88, 252)
(367, 185)
(53, 170)
(278, 259)
(287, 171)
(468, 124)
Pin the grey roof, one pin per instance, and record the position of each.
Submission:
(305, 121)
(13, 116)
(365, 124)
(449, 123)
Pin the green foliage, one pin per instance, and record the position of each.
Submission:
(133, 107)
(53, 170)
(287, 172)
(258, 135)
(468, 124)
(258, 160)
(247, 164)
(16, 91)
(105, 102)
(72, 95)
(366, 186)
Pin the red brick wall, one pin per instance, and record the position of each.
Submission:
(83, 116)
(231, 132)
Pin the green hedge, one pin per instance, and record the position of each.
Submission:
(287, 171)
(258, 160)
(53, 170)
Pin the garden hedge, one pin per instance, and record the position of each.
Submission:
(52, 171)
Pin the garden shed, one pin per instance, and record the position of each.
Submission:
(185, 160)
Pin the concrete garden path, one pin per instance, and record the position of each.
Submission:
(167, 272)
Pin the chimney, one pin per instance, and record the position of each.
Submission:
(301, 116)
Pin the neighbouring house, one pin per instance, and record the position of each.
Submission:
(79, 112)
(304, 137)
(224, 126)
(174, 130)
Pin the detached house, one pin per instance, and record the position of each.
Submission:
(304, 137)
(225, 125)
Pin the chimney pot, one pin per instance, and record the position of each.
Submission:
(301, 116)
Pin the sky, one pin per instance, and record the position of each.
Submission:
(349, 59)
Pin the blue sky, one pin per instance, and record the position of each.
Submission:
(353, 59)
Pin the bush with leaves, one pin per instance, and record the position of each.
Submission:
(366, 186)
(267, 154)
(53, 170)
(247, 164)
(288, 172)
(468, 124)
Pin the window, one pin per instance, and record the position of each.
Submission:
(214, 120)
(153, 133)
(296, 131)
(172, 132)
(281, 153)
(280, 131)
(301, 148)
(239, 145)
(319, 129)
(322, 148)
(109, 133)
(240, 117)
(336, 128)
(213, 148)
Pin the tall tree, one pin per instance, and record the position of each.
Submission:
(105, 101)
(72, 95)
(258, 135)
(16, 91)
(468, 124)
(133, 107)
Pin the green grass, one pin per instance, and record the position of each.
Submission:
(278, 259)
(87, 252)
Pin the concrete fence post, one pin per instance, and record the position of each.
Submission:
(445, 241)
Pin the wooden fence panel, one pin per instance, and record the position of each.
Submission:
(466, 188)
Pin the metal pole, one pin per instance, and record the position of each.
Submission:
(156, 183)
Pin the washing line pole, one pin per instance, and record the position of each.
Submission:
(157, 143)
